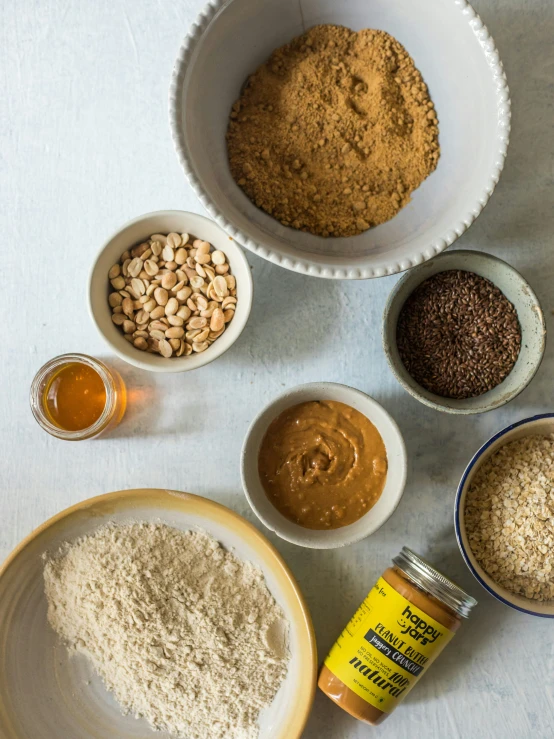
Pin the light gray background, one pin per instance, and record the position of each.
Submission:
(84, 146)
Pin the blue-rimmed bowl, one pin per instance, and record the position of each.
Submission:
(541, 425)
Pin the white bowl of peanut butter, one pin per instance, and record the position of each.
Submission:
(323, 465)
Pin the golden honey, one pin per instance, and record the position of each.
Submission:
(76, 397)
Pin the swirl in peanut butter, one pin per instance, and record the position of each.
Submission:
(322, 464)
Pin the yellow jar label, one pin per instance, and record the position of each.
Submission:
(386, 647)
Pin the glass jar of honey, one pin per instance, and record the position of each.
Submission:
(76, 397)
(407, 619)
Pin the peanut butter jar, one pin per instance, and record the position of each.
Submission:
(407, 619)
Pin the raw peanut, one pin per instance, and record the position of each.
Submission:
(173, 240)
(158, 312)
(178, 286)
(202, 247)
(169, 280)
(197, 322)
(181, 256)
(115, 299)
(184, 294)
(140, 343)
(118, 283)
(127, 307)
(161, 296)
(220, 287)
(142, 317)
(197, 281)
(150, 305)
(218, 257)
(217, 320)
(202, 336)
(135, 268)
(166, 350)
(168, 253)
(114, 272)
(119, 318)
(151, 268)
(171, 307)
(175, 332)
(175, 320)
(129, 327)
(184, 312)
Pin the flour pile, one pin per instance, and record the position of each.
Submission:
(184, 633)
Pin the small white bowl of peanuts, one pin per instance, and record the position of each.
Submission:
(170, 291)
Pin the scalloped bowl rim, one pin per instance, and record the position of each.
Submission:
(304, 265)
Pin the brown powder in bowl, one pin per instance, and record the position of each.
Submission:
(334, 132)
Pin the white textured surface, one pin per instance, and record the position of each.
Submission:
(85, 145)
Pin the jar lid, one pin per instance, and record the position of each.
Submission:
(434, 582)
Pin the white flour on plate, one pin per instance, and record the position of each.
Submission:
(183, 632)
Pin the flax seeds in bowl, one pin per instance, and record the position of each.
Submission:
(463, 333)
(458, 335)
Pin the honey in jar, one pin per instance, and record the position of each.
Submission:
(407, 619)
(77, 397)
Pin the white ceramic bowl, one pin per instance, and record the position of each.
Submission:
(518, 292)
(166, 221)
(458, 60)
(539, 425)
(46, 694)
(375, 517)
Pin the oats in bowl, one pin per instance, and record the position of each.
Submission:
(509, 517)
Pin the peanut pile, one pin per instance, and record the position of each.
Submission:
(172, 295)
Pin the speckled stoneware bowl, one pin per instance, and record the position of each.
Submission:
(45, 694)
(537, 425)
(375, 517)
(460, 64)
(518, 292)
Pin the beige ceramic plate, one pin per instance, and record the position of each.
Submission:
(44, 694)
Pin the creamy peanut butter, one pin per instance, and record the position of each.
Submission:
(322, 464)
